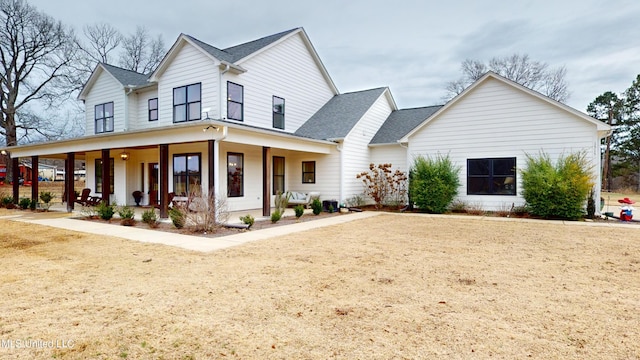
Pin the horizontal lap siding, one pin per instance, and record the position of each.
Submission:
(396, 155)
(355, 150)
(288, 71)
(105, 89)
(190, 66)
(140, 115)
(496, 120)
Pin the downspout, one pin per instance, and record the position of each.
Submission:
(220, 101)
(216, 147)
(129, 89)
(340, 173)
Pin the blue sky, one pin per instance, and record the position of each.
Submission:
(414, 47)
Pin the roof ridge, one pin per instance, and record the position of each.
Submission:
(262, 38)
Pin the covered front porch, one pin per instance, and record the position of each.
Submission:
(183, 159)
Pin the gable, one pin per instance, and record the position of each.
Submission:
(525, 96)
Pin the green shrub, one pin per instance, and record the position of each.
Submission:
(24, 203)
(276, 216)
(105, 212)
(127, 215)
(6, 200)
(316, 205)
(299, 210)
(46, 197)
(247, 219)
(556, 190)
(150, 218)
(433, 183)
(177, 217)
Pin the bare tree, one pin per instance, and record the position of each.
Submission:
(101, 41)
(141, 53)
(533, 74)
(35, 56)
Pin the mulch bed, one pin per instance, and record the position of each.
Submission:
(221, 231)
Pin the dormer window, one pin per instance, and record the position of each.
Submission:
(235, 101)
(186, 103)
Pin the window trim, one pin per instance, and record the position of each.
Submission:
(187, 103)
(492, 190)
(104, 119)
(274, 175)
(98, 167)
(187, 175)
(150, 109)
(241, 176)
(241, 102)
(276, 113)
(313, 173)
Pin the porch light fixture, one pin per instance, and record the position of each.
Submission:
(124, 155)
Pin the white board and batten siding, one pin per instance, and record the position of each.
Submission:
(495, 120)
(105, 89)
(286, 70)
(355, 150)
(190, 66)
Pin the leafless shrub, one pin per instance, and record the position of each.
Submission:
(475, 209)
(205, 213)
(504, 209)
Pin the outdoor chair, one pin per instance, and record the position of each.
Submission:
(84, 197)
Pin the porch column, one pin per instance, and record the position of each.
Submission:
(34, 179)
(266, 181)
(15, 165)
(69, 187)
(212, 166)
(106, 176)
(164, 181)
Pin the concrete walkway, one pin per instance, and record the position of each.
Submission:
(64, 220)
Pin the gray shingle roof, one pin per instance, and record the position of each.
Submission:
(401, 122)
(240, 51)
(237, 52)
(127, 77)
(339, 115)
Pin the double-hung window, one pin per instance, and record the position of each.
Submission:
(104, 117)
(186, 103)
(492, 176)
(186, 174)
(235, 174)
(309, 172)
(153, 109)
(278, 113)
(235, 101)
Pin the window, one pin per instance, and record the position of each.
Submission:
(104, 118)
(278, 113)
(153, 109)
(235, 175)
(186, 174)
(278, 175)
(491, 176)
(186, 103)
(98, 173)
(235, 101)
(309, 172)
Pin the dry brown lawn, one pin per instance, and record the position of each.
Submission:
(387, 287)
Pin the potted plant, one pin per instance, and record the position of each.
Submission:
(46, 197)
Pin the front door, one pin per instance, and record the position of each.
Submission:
(154, 175)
